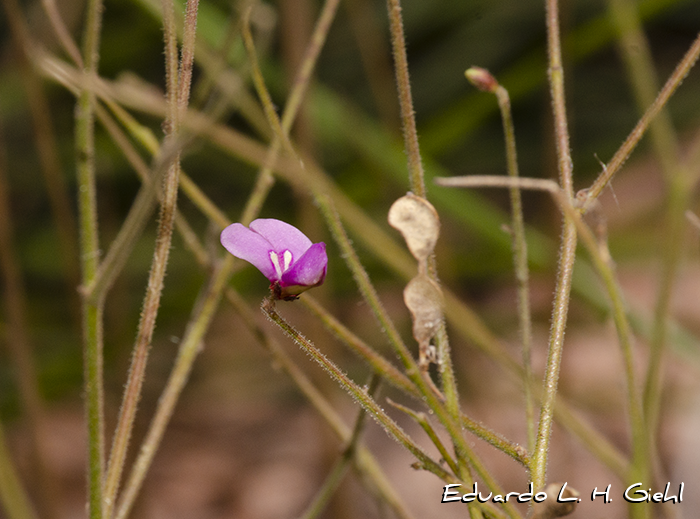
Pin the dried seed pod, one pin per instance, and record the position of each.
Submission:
(418, 222)
(551, 507)
(423, 298)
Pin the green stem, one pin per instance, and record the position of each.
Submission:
(22, 351)
(451, 423)
(678, 201)
(13, 496)
(360, 395)
(90, 257)
(637, 57)
(555, 71)
(190, 347)
(520, 261)
(335, 478)
(417, 183)
(453, 426)
(602, 263)
(266, 178)
(464, 320)
(567, 252)
(379, 364)
(178, 95)
(623, 153)
(125, 241)
(408, 120)
(556, 344)
(364, 461)
(463, 472)
(422, 420)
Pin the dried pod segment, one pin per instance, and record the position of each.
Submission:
(416, 219)
(423, 298)
(561, 501)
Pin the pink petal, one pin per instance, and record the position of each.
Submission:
(282, 236)
(249, 246)
(309, 270)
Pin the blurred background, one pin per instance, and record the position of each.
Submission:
(244, 443)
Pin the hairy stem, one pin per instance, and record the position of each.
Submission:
(623, 153)
(408, 119)
(178, 95)
(90, 258)
(567, 252)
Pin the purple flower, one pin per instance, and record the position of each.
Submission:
(281, 252)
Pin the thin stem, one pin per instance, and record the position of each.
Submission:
(497, 440)
(413, 372)
(556, 343)
(679, 197)
(451, 423)
(62, 32)
(623, 153)
(123, 244)
(567, 252)
(47, 148)
(555, 71)
(364, 461)
(22, 351)
(90, 257)
(422, 420)
(417, 183)
(296, 96)
(13, 496)
(461, 471)
(125, 241)
(399, 380)
(178, 95)
(603, 265)
(638, 59)
(636, 55)
(187, 59)
(190, 347)
(330, 486)
(181, 370)
(360, 395)
(335, 478)
(464, 320)
(520, 260)
(408, 120)
(379, 364)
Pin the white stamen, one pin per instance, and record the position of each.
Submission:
(276, 263)
(286, 259)
(287, 256)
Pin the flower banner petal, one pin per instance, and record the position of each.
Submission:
(249, 246)
(282, 236)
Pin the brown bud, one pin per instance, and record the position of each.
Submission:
(482, 79)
